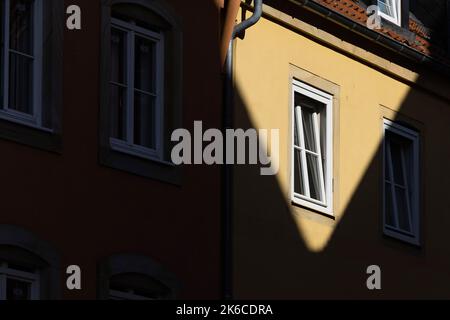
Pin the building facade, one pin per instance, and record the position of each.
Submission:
(363, 114)
(85, 137)
(359, 95)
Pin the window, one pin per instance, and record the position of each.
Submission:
(390, 10)
(31, 71)
(30, 268)
(137, 287)
(312, 156)
(141, 92)
(401, 182)
(18, 282)
(22, 61)
(135, 277)
(137, 59)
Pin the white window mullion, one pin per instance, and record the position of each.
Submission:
(6, 55)
(301, 138)
(319, 157)
(130, 90)
(391, 178)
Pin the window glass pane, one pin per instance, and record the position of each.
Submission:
(118, 56)
(402, 209)
(20, 83)
(389, 205)
(397, 165)
(387, 173)
(118, 112)
(308, 128)
(144, 121)
(17, 290)
(314, 176)
(145, 65)
(386, 6)
(298, 174)
(21, 22)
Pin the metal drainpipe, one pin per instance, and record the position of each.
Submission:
(228, 114)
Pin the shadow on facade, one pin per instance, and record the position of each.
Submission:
(271, 257)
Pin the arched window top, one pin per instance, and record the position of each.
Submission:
(136, 286)
(127, 272)
(14, 237)
(152, 13)
(29, 266)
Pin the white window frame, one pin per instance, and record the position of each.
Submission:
(397, 12)
(9, 273)
(325, 207)
(35, 119)
(412, 237)
(128, 146)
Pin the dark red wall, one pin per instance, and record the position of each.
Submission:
(89, 212)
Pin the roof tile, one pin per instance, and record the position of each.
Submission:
(357, 12)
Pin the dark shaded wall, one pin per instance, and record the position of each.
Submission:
(88, 212)
(272, 257)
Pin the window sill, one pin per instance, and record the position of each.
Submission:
(390, 19)
(118, 155)
(22, 119)
(29, 134)
(138, 151)
(307, 204)
(412, 240)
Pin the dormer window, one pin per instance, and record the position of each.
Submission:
(390, 10)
